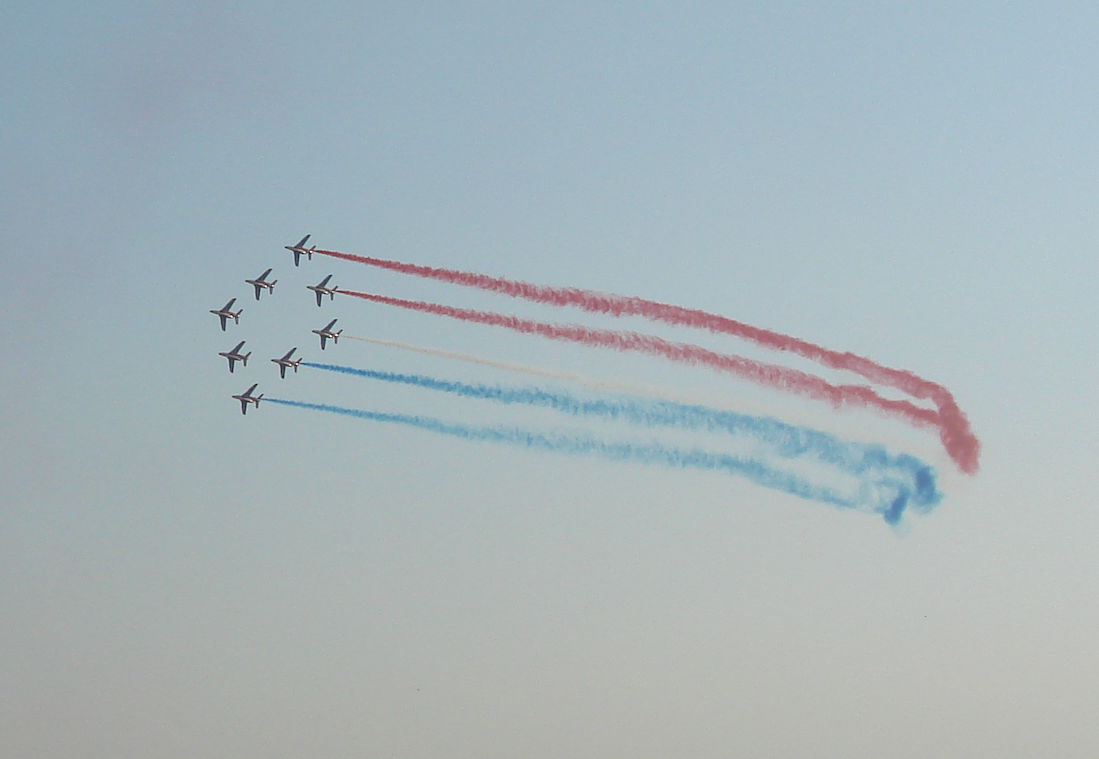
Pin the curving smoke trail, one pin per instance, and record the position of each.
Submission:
(888, 499)
(863, 460)
(769, 375)
(955, 431)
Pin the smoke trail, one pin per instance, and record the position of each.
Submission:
(955, 429)
(534, 371)
(765, 374)
(890, 501)
(785, 440)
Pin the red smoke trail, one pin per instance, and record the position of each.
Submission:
(765, 374)
(955, 431)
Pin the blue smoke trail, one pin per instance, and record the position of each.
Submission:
(891, 508)
(862, 460)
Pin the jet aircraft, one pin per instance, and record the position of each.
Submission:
(321, 288)
(299, 249)
(328, 333)
(226, 314)
(235, 355)
(286, 361)
(247, 398)
(262, 284)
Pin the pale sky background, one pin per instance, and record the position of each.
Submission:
(912, 182)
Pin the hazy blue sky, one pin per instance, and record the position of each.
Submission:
(914, 183)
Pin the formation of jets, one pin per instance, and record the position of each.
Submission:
(261, 283)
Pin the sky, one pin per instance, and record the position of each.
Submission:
(914, 185)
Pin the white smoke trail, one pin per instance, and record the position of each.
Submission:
(605, 386)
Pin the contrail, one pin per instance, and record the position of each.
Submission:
(769, 375)
(785, 440)
(955, 429)
(890, 502)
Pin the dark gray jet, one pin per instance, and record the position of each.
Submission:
(247, 398)
(299, 249)
(327, 333)
(262, 283)
(286, 361)
(321, 288)
(225, 313)
(235, 355)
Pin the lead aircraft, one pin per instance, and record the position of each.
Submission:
(225, 313)
(235, 355)
(300, 249)
(246, 397)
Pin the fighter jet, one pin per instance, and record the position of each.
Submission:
(299, 249)
(262, 283)
(286, 361)
(321, 289)
(225, 313)
(328, 333)
(247, 398)
(235, 355)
